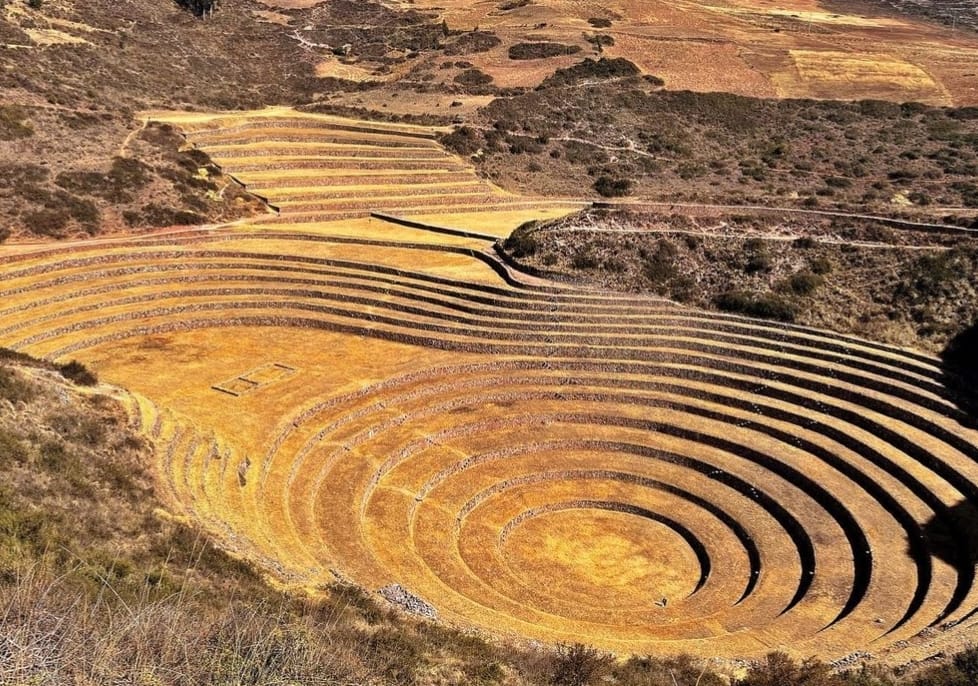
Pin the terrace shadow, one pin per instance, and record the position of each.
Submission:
(960, 372)
(952, 536)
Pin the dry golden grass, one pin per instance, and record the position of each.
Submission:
(821, 73)
(740, 46)
(46, 37)
(530, 458)
(321, 168)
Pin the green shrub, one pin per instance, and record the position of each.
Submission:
(536, 51)
(660, 266)
(764, 306)
(522, 242)
(612, 187)
(584, 259)
(805, 282)
(78, 373)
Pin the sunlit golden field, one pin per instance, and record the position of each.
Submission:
(339, 396)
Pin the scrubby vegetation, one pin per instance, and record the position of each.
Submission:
(612, 187)
(72, 105)
(590, 70)
(198, 7)
(156, 183)
(13, 123)
(894, 285)
(539, 51)
(99, 585)
(474, 81)
(721, 148)
(522, 242)
(472, 42)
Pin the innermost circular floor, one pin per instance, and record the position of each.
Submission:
(604, 558)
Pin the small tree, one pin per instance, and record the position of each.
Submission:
(612, 187)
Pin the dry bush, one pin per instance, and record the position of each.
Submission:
(685, 145)
(779, 669)
(538, 51)
(13, 123)
(579, 665)
(472, 43)
(77, 372)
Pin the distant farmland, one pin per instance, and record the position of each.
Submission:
(962, 14)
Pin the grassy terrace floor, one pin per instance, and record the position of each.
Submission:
(398, 406)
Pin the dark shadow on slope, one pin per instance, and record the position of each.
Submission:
(952, 536)
(960, 371)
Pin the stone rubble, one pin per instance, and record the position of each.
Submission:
(397, 595)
